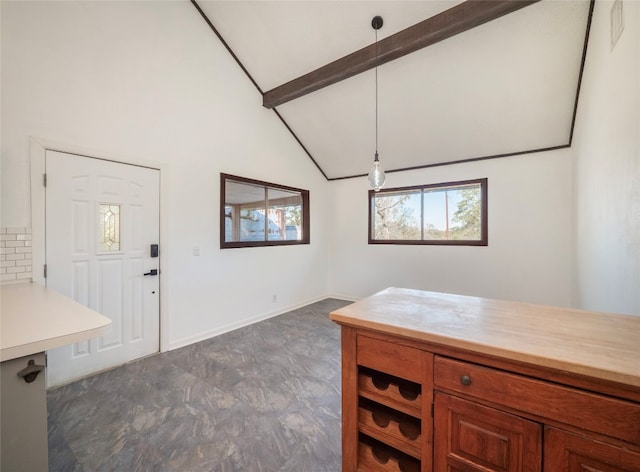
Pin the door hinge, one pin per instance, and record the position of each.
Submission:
(44, 180)
(45, 271)
(432, 408)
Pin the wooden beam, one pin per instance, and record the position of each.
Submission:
(456, 20)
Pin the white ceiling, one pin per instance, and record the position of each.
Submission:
(508, 86)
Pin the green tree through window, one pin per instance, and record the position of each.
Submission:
(449, 213)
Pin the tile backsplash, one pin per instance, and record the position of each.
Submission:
(15, 255)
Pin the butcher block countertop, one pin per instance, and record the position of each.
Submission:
(599, 345)
(34, 319)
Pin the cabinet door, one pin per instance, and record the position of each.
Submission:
(572, 453)
(470, 437)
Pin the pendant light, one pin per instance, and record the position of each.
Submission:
(376, 175)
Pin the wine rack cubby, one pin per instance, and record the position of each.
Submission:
(375, 456)
(394, 392)
(389, 412)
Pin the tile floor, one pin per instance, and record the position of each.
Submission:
(261, 398)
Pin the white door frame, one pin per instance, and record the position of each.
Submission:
(37, 150)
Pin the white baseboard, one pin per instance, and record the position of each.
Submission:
(178, 343)
(349, 298)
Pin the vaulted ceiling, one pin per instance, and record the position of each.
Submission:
(508, 86)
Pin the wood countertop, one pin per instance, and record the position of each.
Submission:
(599, 345)
(34, 319)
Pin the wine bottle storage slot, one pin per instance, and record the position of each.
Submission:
(390, 426)
(394, 392)
(374, 456)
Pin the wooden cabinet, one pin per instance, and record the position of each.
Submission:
(415, 402)
(386, 390)
(477, 438)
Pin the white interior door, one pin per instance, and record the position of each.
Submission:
(101, 219)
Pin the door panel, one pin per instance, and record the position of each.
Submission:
(477, 438)
(571, 453)
(101, 218)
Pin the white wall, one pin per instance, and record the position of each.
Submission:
(529, 253)
(607, 168)
(151, 82)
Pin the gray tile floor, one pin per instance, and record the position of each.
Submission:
(261, 398)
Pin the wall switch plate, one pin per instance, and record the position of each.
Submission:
(196, 250)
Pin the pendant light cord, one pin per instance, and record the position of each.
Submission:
(376, 94)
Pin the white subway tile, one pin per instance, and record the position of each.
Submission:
(27, 255)
(25, 275)
(24, 262)
(7, 250)
(23, 237)
(3, 257)
(7, 277)
(28, 230)
(3, 270)
(16, 230)
(2, 244)
(3, 230)
(22, 250)
(15, 257)
(14, 244)
(9, 237)
(9, 263)
(15, 270)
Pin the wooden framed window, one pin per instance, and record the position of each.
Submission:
(451, 213)
(255, 213)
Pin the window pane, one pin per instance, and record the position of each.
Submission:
(109, 227)
(452, 213)
(285, 215)
(255, 213)
(467, 216)
(396, 215)
(448, 213)
(244, 211)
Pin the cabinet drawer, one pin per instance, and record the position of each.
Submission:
(612, 417)
(391, 391)
(377, 457)
(390, 358)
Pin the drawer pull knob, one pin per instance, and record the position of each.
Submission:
(465, 380)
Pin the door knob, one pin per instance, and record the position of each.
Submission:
(152, 272)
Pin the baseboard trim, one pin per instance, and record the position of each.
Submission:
(178, 343)
(349, 298)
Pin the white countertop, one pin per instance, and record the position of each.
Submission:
(34, 319)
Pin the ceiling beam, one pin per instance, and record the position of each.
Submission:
(456, 20)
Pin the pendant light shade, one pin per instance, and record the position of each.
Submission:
(376, 174)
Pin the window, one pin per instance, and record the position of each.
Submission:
(109, 227)
(453, 213)
(256, 213)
